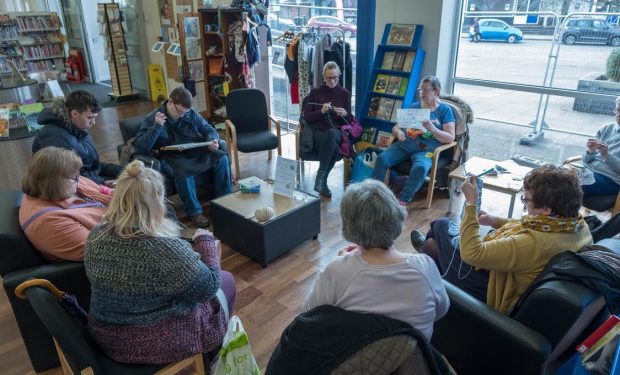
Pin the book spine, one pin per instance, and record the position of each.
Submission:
(598, 334)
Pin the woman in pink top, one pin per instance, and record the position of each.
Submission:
(60, 207)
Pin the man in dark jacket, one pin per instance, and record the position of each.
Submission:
(67, 127)
(176, 123)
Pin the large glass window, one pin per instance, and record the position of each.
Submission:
(543, 65)
(335, 17)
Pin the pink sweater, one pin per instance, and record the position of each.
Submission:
(61, 234)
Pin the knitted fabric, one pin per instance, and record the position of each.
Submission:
(153, 298)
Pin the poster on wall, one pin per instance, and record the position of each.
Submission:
(401, 35)
(191, 27)
(200, 100)
(196, 70)
(165, 12)
(192, 49)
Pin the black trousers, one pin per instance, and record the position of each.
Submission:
(328, 144)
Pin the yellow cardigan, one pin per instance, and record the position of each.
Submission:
(515, 261)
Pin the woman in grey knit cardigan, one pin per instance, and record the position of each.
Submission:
(155, 299)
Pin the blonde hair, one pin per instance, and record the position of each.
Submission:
(47, 173)
(138, 206)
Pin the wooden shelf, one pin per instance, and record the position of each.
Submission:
(36, 30)
(46, 58)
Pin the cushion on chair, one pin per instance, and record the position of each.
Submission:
(244, 107)
(256, 141)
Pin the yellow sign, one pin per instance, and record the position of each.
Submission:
(157, 82)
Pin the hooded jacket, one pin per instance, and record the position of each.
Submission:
(58, 133)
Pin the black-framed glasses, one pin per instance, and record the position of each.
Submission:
(74, 179)
(332, 78)
(524, 200)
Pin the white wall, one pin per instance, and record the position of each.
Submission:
(96, 46)
(437, 16)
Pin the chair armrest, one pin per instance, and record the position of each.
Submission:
(437, 152)
(500, 345)
(571, 159)
(277, 123)
(616, 208)
(231, 131)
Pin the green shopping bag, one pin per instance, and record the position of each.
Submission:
(236, 354)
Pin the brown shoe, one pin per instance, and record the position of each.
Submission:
(199, 220)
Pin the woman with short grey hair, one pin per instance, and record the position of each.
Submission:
(371, 275)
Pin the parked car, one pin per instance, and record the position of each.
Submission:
(591, 31)
(347, 28)
(283, 24)
(493, 29)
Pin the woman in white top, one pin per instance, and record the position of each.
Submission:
(373, 276)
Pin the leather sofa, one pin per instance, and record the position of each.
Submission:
(20, 261)
(541, 335)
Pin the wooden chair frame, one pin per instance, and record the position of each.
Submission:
(196, 361)
(231, 140)
(616, 208)
(432, 173)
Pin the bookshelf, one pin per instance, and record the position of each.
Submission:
(394, 78)
(39, 41)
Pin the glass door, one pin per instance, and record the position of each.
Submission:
(76, 33)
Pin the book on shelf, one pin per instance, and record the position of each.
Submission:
(384, 139)
(597, 340)
(398, 104)
(368, 135)
(399, 60)
(384, 112)
(393, 85)
(408, 63)
(401, 35)
(403, 86)
(388, 60)
(381, 83)
(373, 106)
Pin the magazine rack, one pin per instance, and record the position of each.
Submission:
(394, 78)
(110, 19)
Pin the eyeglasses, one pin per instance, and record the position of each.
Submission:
(74, 179)
(428, 89)
(524, 200)
(332, 78)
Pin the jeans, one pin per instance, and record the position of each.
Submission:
(186, 186)
(603, 185)
(420, 165)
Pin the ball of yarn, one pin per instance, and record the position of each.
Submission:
(263, 214)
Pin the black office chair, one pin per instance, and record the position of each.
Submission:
(20, 261)
(248, 127)
(78, 352)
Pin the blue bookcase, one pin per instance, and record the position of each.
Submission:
(392, 43)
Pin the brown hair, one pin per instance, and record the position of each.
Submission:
(182, 97)
(47, 171)
(556, 188)
(82, 101)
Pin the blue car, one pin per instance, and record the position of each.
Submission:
(493, 29)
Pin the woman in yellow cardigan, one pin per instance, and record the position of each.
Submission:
(499, 267)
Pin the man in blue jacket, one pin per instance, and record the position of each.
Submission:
(67, 126)
(174, 123)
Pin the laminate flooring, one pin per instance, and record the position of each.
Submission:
(267, 298)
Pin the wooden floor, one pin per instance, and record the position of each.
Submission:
(267, 298)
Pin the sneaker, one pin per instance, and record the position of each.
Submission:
(417, 239)
(199, 220)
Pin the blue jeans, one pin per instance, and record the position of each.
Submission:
(420, 165)
(603, 185)
(186, 186)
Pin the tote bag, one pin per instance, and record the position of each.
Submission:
(236, 355)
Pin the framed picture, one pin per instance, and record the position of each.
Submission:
(191, 27)
(172, 48)
(157, 47)
(192, 48)
(401, 35)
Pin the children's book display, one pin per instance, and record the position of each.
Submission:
(395, 77)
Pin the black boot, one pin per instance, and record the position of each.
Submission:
(320, 184)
